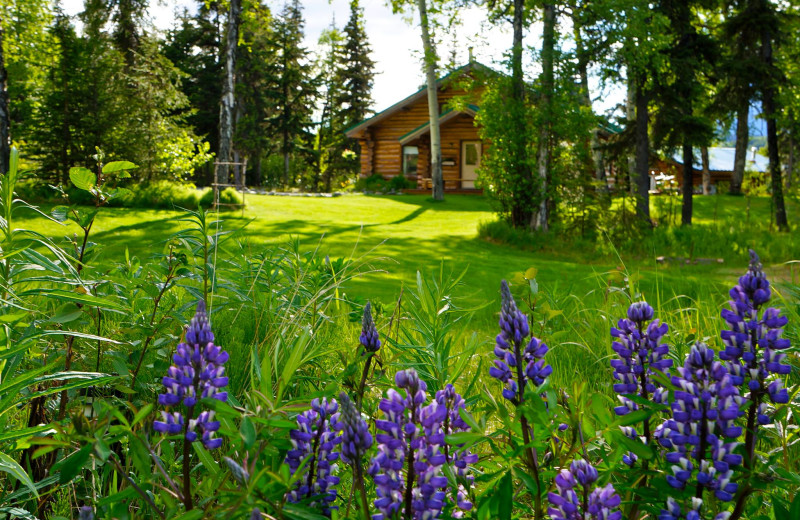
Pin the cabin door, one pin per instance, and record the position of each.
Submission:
(470, 161)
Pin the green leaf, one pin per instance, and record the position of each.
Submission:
(66, 313)
(205, 457)
(60, 213)
(794, 511)
(10, 466)
(84, 299)
(119, 166)
(82, 178)
(505, 498)
(73, 464)
(248, 432)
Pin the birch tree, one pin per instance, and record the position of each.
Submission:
(226, 106)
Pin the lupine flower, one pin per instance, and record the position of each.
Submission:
(409, 452)
(458, 456)
(753, 343)
(86, 513)
(197, 372)
(316, 439)
(641, 355)
(673, 511)
(369, 334)
(703, 413)
(517, 364)
(356, 439)
(255, 514)
(569, 503)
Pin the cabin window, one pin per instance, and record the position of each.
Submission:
(410, 156)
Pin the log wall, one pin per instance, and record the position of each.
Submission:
(382, 152)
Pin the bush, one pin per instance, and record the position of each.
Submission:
(226, 196)
(156, 195)
(376, 183)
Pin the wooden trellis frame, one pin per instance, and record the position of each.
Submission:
(218, 187)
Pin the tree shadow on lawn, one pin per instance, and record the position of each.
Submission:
(450, 203)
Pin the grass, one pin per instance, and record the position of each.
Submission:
(582, 290)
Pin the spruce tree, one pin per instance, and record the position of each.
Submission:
(292, 93)
(252, 80)
(357, 69)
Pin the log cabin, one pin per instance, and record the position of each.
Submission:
(396, 141)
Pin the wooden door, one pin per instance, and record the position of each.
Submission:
(470, 162)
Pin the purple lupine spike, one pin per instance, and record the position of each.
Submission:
(255, 514)
(86, 513)
(516, 365)
(674, 512)
(356, 439)
(753, 342)
(704, 411)
(573, 500)
(197, 372)
(407, 467)
(458, 455)
(316, 440)
(369, 334)
(641, 355)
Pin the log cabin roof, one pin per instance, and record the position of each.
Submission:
(446, 116)
(416, 96)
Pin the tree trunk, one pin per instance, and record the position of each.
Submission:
(740, 155)
(594, 151)
(227, 103)
(688, 184)
(433, 102)
(790, 164)
(630, 115)
(642, 153)
(545, 130)
(522, 175)
(5, 134)
(706, 171)
(768, 105)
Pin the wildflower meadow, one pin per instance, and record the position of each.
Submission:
(201, 383)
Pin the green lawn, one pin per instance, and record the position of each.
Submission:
(406, 234)
(582, 292)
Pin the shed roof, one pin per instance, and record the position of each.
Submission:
(721, 159)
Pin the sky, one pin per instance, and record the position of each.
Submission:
(396, 43)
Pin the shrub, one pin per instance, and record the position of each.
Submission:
(226, 196)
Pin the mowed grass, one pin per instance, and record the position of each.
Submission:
(581, 293)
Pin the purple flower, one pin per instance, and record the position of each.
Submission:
(516, 365)
(753, 342)
(673, 511)
(356, 439)
(641, 356)
(315, 441)
(369, 334)
(255, 514)
(572, 503)
(197, 372)
(85, 513)
(704, 411)
(407, 467)
(458, 456)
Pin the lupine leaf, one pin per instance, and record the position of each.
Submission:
(10, 466)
